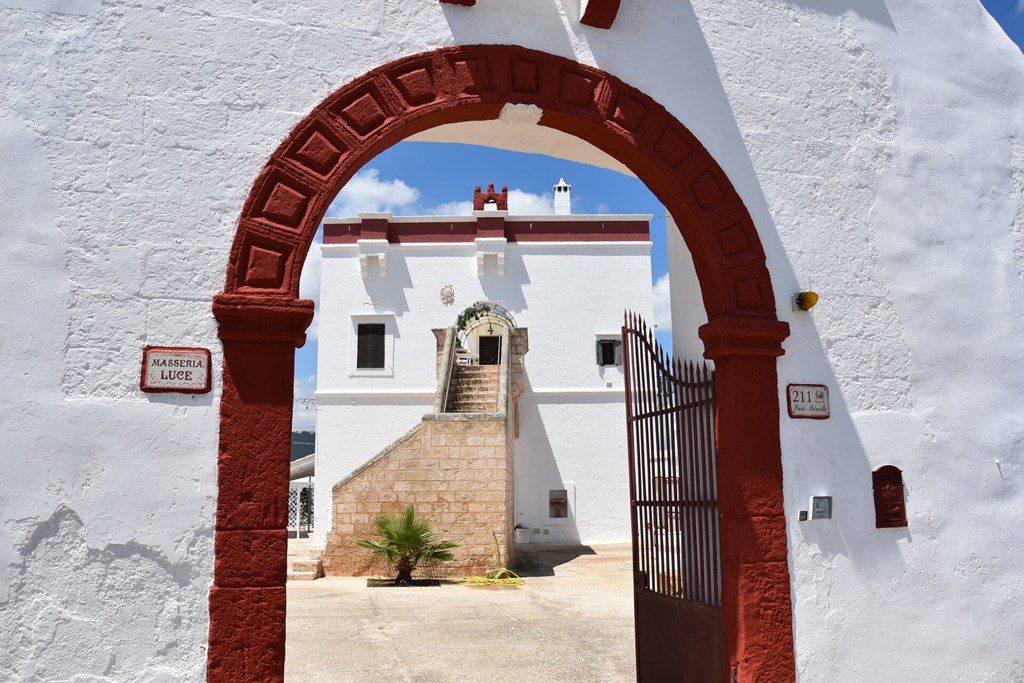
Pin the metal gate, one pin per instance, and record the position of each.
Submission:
(670, 408)
(300, 509)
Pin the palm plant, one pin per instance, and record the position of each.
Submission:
(404, 541)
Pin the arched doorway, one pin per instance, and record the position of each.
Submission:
(262, 320)
(479, 328)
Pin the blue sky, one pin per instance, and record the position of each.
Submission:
(1010, 15)
(416, 178)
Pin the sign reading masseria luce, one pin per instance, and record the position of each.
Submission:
(172, 368)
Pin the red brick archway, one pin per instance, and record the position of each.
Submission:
(262, 321)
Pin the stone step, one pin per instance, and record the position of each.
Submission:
(306, 565)
(475, 378)
(481, 392)
(304, 561)
(473, 391)
(304, 553)
(476, 375)
(467, 408)
(474, 396)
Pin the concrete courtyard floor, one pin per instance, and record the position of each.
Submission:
(571, 621)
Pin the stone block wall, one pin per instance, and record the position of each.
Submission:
(456, 470)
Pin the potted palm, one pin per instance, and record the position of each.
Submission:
(403, 542)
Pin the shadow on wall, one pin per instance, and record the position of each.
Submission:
(537, 471)
(672, 31)
(872, 10)
(508, 289)
(509, 23)
(843, 470)
(382, 291)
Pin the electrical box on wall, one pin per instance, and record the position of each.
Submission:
(818, 507)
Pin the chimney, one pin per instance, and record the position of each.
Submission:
(562, 198)
(490, 200)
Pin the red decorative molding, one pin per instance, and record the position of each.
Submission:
(739, 336)
(465, 3)
(468, 228)
(499, 199)
(600, 13)
(262, 321)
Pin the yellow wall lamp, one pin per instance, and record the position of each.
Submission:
(805, 301)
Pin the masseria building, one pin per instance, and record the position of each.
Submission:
(166, 170)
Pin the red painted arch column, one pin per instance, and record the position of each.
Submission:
(756, 605)
(262, 321)
(247, 600)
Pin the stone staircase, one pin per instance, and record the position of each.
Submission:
(456, 467)
(304, 561)
(473, 389)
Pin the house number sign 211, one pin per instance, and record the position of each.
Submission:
(808, 401)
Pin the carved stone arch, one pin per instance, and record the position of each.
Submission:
(262, 320)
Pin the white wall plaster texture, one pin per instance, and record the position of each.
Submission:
(138, 128)
(899, 207)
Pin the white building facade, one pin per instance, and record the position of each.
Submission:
(418, 273)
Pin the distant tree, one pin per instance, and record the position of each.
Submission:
(403, 542)
(303, 443)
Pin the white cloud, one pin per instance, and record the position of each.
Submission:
(451, 209)
(304, 411)
(366, 192)
(529, 204)
(1020, 6)
(662, 305)
(309, 282)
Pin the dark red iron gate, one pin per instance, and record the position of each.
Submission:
(670, 408)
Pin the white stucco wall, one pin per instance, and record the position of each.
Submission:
(877, 145)
(571, 416)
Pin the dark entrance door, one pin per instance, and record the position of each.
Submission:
(490, 350)
(674, 504)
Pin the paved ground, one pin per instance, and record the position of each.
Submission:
(571, 621)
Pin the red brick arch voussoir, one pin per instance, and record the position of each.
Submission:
(262, 320)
